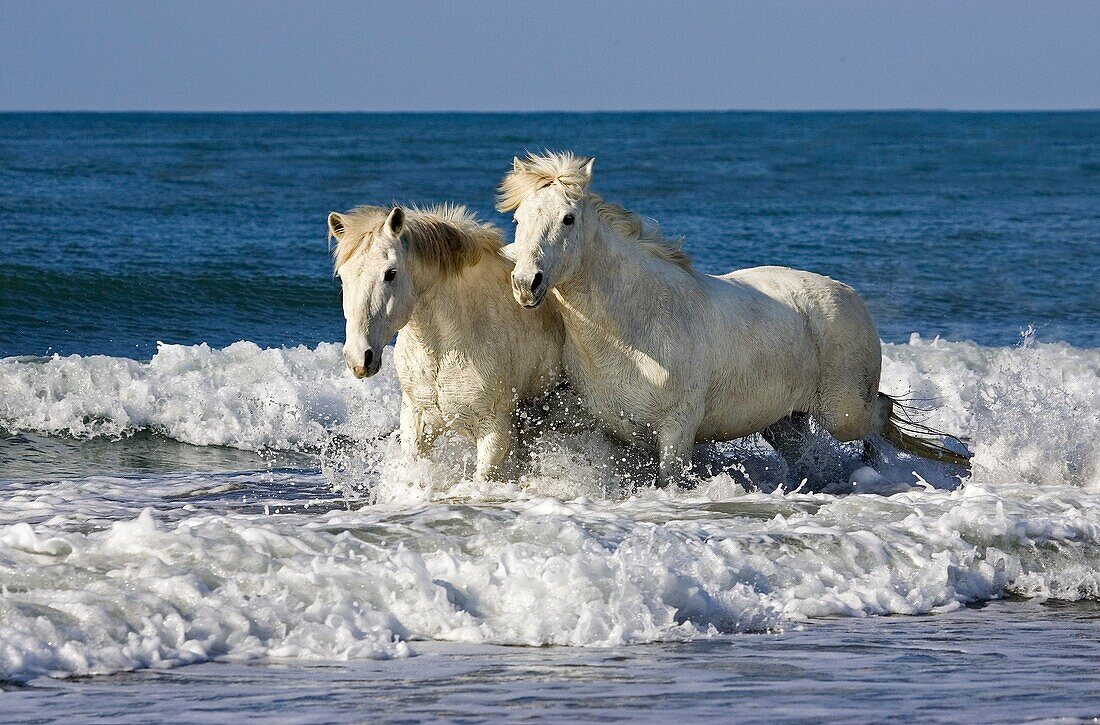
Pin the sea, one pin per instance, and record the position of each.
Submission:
(204, 517)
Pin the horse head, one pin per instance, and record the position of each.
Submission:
(547, 197)
(372, 262)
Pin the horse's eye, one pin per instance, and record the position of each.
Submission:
(567, 220)
(390, 274)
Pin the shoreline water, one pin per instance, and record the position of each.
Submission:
(1008, 661)
(462, 558)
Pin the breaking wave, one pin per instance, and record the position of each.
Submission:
(109, 573)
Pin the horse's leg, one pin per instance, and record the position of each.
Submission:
(414, 442)
(789, 438)
(675, 442)
(492, 445)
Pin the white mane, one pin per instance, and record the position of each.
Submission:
(447, 237)
(567, 169)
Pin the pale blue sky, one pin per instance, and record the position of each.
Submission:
(562, 54)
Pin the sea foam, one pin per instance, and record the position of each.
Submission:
(1032, 412)
(160, 590)
(104, 574)
(241, 396)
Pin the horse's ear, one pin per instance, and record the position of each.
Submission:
(587, 170)
(336, 224)
(395, 221)
(517, 165)
(508, 251)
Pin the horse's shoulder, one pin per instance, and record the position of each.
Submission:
(414, 366)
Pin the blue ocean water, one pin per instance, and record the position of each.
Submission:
(118, 230)
(202, 513)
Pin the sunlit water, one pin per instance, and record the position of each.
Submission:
(241, 508)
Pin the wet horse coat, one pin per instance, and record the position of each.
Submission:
(668, 356)
(466, 354)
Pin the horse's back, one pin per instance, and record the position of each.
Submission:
(796, 285)
(830, 307)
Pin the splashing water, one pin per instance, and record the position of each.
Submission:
(310, 538)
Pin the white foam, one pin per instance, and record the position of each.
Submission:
(153, 592)
(106, 574)
(240, 396)
(1032, 411)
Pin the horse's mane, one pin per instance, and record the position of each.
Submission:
(567, 169)
(447, 237)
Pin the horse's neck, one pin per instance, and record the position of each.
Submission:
(445, 310)
(617, 288)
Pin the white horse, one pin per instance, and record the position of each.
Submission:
(667, 356)
(466, 354)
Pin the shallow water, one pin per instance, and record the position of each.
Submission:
(1005, 662)
(240, 507)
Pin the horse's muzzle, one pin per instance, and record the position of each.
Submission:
(535, 301)
(529, 292)
(368, 366)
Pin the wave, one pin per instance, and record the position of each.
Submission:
(240, 396)
(368, 584)
(105, 573)
(1032, 412)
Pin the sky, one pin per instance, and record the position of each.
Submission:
(520, 55)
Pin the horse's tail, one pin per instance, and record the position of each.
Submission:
(896, 425)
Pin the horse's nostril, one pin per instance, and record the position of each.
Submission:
(367, 357)
(536, 281)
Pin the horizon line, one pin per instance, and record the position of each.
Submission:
(222, 111)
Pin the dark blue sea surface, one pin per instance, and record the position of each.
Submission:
(119, 230)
